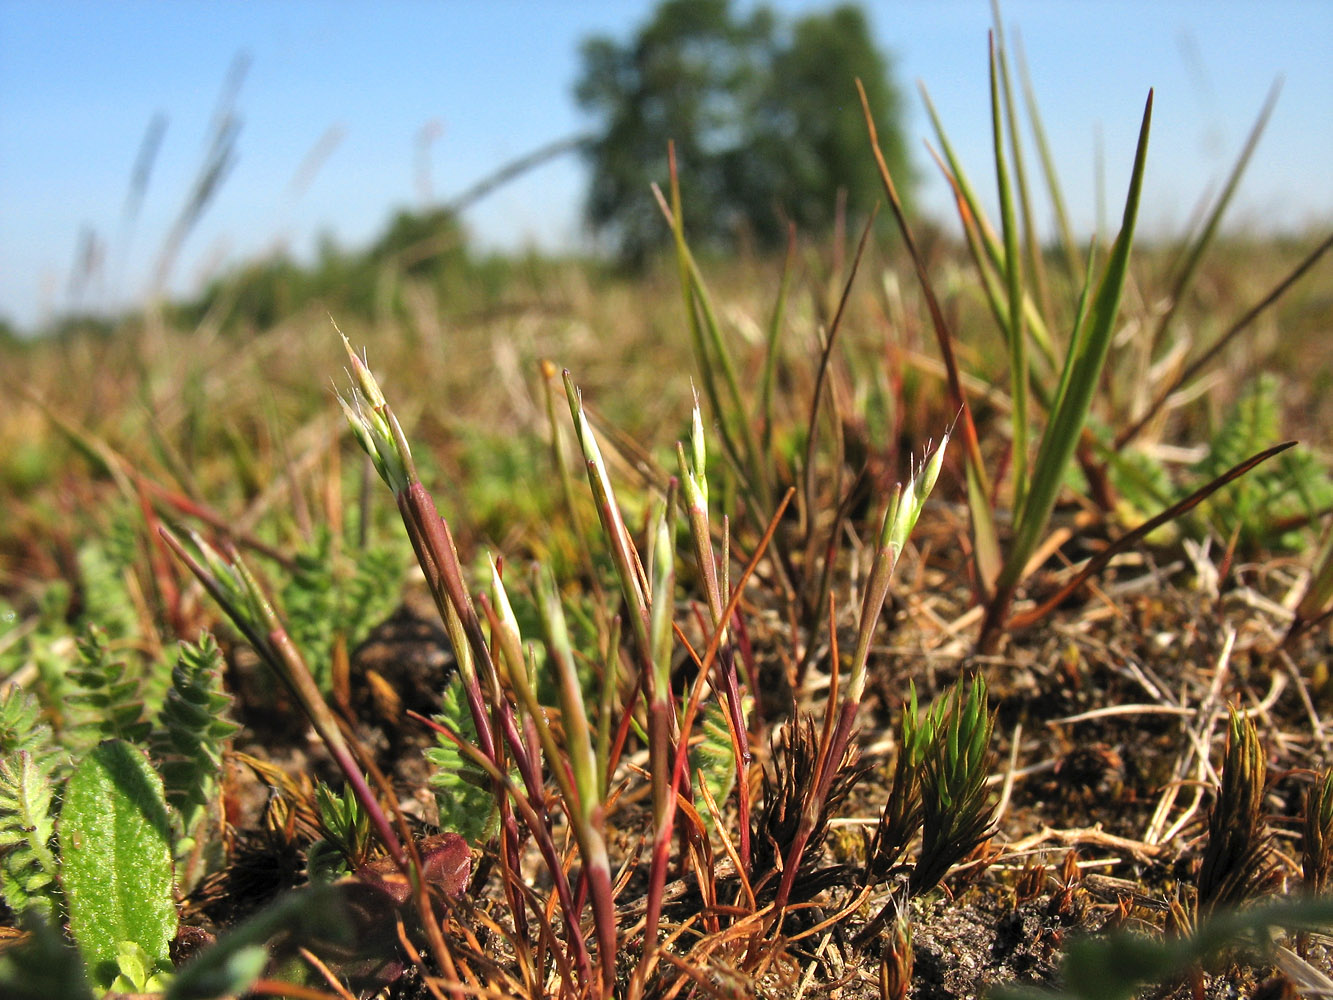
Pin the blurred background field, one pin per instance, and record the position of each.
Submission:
(345, 113)
(180, 301)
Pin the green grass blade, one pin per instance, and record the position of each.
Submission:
(1087, 357)
(1013, 273)
(1053, 189)
(1080, 328)
(994, 253)
(1031, 241)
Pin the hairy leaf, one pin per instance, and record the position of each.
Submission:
(27, 828)
(115, 849)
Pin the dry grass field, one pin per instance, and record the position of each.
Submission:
(763, 723)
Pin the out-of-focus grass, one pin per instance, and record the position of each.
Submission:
(221, 418)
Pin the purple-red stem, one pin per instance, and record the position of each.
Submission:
(299, 679)
(538, 825)
(431, 537)
(664, 811)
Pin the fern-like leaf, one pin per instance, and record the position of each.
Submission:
(27, 829)
(107, 701)
(103, 567)
(374, 590)
(331, 595)
(714, 757)
(1257, 506)
(29, 761)
(22, 727)
(39, 639)
(192, 731)
(462, 791)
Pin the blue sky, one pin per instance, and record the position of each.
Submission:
(80, 81)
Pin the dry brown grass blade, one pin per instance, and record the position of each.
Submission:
(813, 604)
(1207, 357)
(942, 332)
(1095, 565)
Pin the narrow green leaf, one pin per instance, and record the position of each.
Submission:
(1087, 357)
(1013, 274)
(1053, 188)
(981, 236)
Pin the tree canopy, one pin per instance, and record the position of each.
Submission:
(763, 113)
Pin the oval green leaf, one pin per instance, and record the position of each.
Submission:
(115, 860)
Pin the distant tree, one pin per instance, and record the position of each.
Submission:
(419, 243)
(811, 118)
(764, 116)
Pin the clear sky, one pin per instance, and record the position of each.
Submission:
(492, 79)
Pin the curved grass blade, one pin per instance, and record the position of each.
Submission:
(978, 484)
(1013, 275)
(1098, 562)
